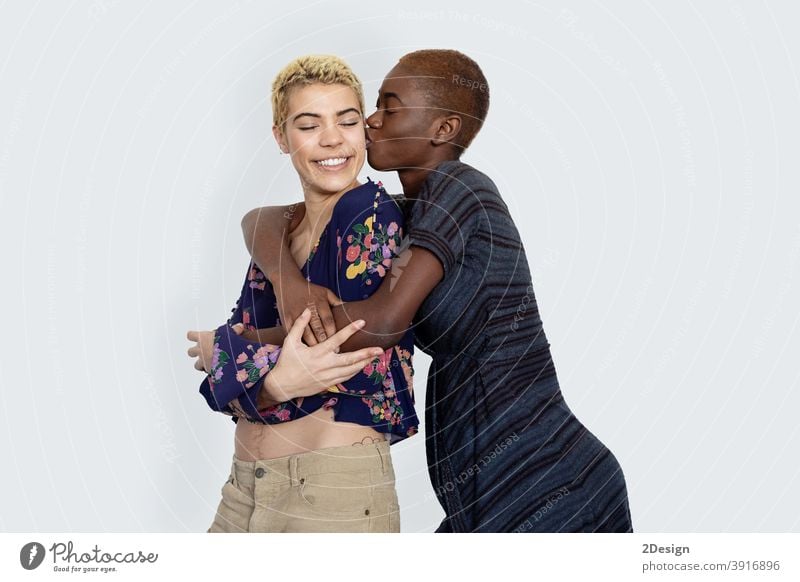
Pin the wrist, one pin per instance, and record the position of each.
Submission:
(274, 389)
(263, 398)
(286, 273)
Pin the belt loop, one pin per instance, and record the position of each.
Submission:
(379, 447)
(293, 471)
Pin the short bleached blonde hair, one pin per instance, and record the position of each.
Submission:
(325, 69)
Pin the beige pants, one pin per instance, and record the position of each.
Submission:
(340, 489)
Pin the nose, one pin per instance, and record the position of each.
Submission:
(331, 135)
(375, 121)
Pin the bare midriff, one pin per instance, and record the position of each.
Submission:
(316, 431)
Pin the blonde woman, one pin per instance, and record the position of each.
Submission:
(313, 426)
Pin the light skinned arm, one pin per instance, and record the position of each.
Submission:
(300, 370)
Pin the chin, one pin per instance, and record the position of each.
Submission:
(333, 184)
(374, 159)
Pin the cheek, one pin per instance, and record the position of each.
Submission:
(299, 143)
(397, 129)
(357, 138)
(357, 142)
(394, 134)
(361, 156)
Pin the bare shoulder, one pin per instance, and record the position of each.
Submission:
(271, 216)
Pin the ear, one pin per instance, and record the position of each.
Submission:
(446, 129)
(280, 137)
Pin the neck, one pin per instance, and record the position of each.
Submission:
(413, 178)
(319, 207)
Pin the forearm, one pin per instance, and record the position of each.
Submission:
(239, 363)
(389, 311)
(381, 328)
(267, 335)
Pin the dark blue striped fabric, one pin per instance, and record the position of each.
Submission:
(505, 453)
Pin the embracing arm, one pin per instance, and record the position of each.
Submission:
(267, 396)
(388, 312)
(266, 230)
(267, 374)
(267, 335)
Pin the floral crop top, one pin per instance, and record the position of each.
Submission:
(352, 257)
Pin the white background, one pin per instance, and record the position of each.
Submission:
(648, 152)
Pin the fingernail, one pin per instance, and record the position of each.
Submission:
(360, 323)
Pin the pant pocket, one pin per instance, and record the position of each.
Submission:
(385, 511)
(336, 502)
(234, 511)
(344, 495)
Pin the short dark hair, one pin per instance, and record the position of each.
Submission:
(454, 82)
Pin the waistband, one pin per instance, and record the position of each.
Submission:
(294, 468)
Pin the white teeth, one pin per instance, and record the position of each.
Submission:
(332, 162)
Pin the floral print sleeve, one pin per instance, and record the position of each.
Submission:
(238, 364)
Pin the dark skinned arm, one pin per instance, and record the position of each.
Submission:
(267, 229)
(267, 335)
(388, 312)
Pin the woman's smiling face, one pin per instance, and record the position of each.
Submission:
(324, 133)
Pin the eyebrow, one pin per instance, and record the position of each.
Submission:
(388, 94)
(318, 116)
